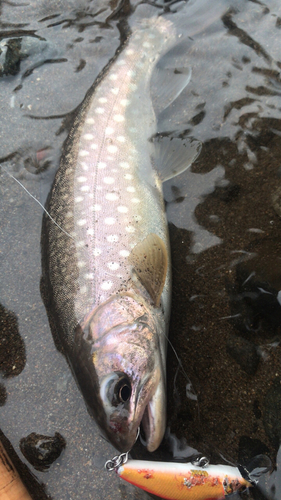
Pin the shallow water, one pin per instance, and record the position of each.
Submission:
(225, 228)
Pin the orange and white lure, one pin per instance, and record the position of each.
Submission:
(183, 481)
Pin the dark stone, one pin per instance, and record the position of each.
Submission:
(12, 349)
(41, 451)
(257, 409)
(3, 395)
(249, 448)
(244, 353)
(254, 299)
(13, 57)
(272, 413)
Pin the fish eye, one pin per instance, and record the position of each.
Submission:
(119, 390)
(124, 391)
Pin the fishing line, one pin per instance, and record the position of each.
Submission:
(182, 369)
(37, 201)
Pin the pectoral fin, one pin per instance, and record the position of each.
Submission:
(170, 84)
(149, 259)
(174, 155)
(170, 76)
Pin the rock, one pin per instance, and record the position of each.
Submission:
(272, 413)
(41, 451)
(12, 349)
(244, 353)
(249, 448)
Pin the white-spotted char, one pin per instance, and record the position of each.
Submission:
(107, 288)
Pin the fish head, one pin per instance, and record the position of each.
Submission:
(129, 368)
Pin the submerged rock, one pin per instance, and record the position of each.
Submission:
(272, 413)
(249, 448)
(244, 353)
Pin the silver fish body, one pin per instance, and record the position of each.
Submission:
(106, 261)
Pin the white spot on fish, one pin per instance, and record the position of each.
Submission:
(113, 76)
(112, 148)
(146, 45)
(135, 200)
(122, 209)
(94, 146)
(84, 166)
(133, 86)
(130, 73)
(85, 188)
(111, 196)
(113, 266)
(124, 253)
(97, 208)
(80, 244)
(102, 100)
(79, 198)
(115, 90)
(137, 218)
(112, 238)
(129, 52)
(121, 62)
(108, 180)
(83, 289)
(109, 130)
(69, 214)
(100, 111)
(89, 276)
(109, 221)
(81, 264)
(88, 137)
(118, 118)
(128, 177)
(121, 138)
(131, 189)
(90, 231)
(106, 285)
(83, 152)
(124, 164)
(130, 229)
(97, 252)
(101, 164)
(82, 179)
(124, 102)
(90, 121)
(81, 222)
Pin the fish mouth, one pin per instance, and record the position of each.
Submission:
(153, 422)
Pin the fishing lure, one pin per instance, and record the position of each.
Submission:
(183, 481)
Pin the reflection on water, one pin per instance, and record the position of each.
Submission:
(225, 228)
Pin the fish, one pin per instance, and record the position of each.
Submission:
(183, 481)
(106, 267)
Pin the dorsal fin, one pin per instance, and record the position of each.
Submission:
(149, 259)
